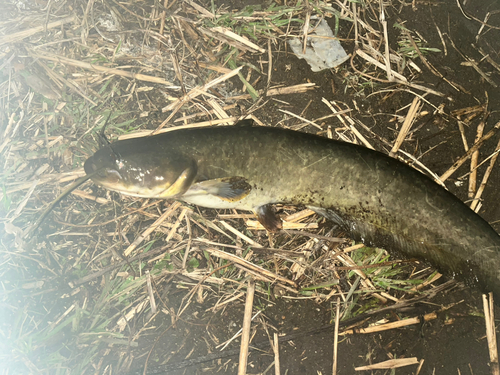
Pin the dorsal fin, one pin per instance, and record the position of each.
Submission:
(245, 122)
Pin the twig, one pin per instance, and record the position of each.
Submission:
(462, 134)
(486, 176)
(336, 337)
(410, 117)
(299, 215)
(218, 110)
(378, 64)
(65, 314)
(474, 64)
(473, 161)
(350, 125)
(488, 58)
(202, 10)
(301, 118)
(227, 33)
(254, 224)
(470, 62)
(218, 304)
(162, 21)
(188, 246)
(462, 10)
(428, 65)
(421, 165)
(295, 89)
(191, 293)
(250, 267)
(203, 113)
(176, 225)
(103, 69)
(383, 21)
(479, 165)
(445, 49)
(269, 63)
(23, 203)
(115, 266)
(239, 234)
(392, 325)
(489, 317)
(355, 18)
(247, 322)
(419, 368)
(196, 91)
(16, 37)
(152, 228)
(225, 344)
(468, 154)
(262, 250)
(397, 80)
(202, 124)
(365, 281)
(313, 235)
(276, 350)
(152, 301)
(391, 363)
(305, 31)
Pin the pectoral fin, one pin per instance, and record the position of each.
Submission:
(230, 189)
(268, 219)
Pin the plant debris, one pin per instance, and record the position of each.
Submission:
(107, 279)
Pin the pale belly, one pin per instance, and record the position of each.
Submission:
(249, 203)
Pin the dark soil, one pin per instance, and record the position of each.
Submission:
(453, 343)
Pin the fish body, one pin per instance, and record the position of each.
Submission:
(376, 199)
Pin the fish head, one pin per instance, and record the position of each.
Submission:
(141, 171)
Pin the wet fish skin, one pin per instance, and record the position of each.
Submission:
(373, 197)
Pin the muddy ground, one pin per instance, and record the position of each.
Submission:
(455, 342)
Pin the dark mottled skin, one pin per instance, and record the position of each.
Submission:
(375, 198)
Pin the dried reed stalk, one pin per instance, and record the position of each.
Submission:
(152, 228)
(469, 153)
(410, 118)
(390, 364)
(491, 335)
(245, 334)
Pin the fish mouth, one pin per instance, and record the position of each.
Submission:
(106, 177)
(101, 173)
(118, 186)
(89, 166)
(111, 179)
